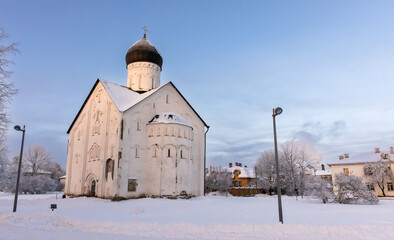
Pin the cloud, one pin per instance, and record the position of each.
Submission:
(337, 128)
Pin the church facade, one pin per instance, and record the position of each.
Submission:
(142, 139)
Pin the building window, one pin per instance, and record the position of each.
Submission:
(169, 153)
(154, 152)
(132, 185)
(121, 130)
(151, 132)
(370, 187)
(390, 186)
(167, 131)
(138, 126)
(182, 154)
(184, 133)
(137, 152)
(158, 132)
(167, 99)
(173, 132)
(237, 184)
(346, 171)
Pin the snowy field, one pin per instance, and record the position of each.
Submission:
(211, 217)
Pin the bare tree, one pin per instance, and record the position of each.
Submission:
(218, 179)
(7, 89)
(35, 159)
(377, 173)
(265, 170)
(296, 165)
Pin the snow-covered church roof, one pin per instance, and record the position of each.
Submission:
(125, 98)
(170, 118)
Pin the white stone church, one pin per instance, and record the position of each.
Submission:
(142, 139)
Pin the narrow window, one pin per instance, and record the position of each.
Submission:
(182, 154)
(169, 153)
(184, 133)
(167, 131)
(154, 152)
(167, 99)
(158, 131)
(139, 82)
(151, 132)
(173, 132)
(137, 152)
(121, 130)
(138, 126)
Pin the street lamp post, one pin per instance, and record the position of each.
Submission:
(18, 128)
(275, 112)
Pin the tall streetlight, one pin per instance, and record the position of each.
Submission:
(18, 128)
(275, 112)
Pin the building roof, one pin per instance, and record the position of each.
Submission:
(124, 98)
(143, 51)
(322, 172)
(361, 158)
(244, 172)
(169, 118)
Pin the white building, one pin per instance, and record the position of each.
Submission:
(142, 139)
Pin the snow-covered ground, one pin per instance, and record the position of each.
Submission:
(211, 217)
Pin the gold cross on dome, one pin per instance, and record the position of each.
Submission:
(145, 31)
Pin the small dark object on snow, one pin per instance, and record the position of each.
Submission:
(53, 207)
(64, 196)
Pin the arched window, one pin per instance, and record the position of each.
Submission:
(158, 131)
(167, 131)
(151, 132)
(182, 154)
(169, 153)
(109, 168)
(154, 152)
(137, 152)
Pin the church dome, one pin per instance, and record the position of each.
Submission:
(143, 51)
(169, 118)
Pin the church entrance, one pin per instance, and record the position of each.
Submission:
(93, 189)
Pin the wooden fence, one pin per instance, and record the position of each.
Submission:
(244, 191)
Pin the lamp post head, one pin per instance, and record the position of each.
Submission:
(18, 128)
(277, 111)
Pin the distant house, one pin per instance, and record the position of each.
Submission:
(244, 180)
(324, 173)
(354, 165)
(37, 173)
(241, 175)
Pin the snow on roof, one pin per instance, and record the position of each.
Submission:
(168, 117)
(64, 176)
(322, 172)
(123, 97)
(245, 172)
(361, 158)
(38, 171)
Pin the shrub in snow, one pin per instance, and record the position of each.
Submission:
(318, 187)
(38, 184)
(351, 189)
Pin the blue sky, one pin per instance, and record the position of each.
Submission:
(329, 65)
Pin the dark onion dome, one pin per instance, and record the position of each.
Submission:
(143, 51)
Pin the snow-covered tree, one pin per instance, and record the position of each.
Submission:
(351, 189)
(377, 173)
(318, 187)
(36, 158)
(265, 169)
(7, 89)
(217, 179)
(296, 166)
